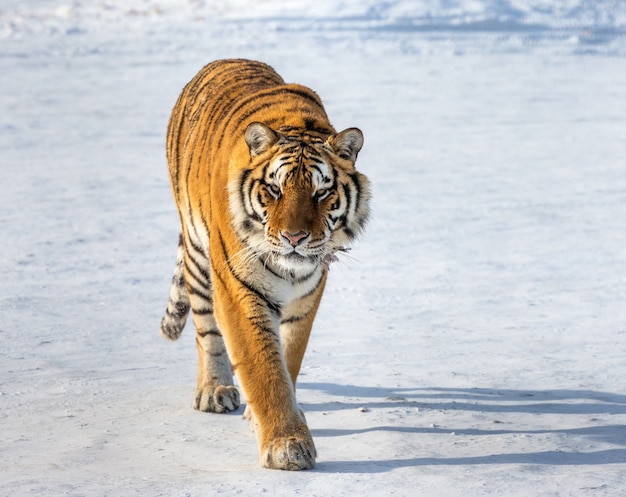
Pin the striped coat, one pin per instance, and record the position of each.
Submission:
(267, 193)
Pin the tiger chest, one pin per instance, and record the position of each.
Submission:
(287, 288)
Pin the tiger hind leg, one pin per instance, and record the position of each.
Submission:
(215, 391)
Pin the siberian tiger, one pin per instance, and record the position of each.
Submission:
(267, 193)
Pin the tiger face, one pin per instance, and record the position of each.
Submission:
(300, 198)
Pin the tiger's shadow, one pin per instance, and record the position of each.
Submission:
(563, 404)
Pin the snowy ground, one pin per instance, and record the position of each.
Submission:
(474, 342)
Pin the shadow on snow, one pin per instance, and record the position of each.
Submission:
(549, 458)
(473, 399)
(532, 402)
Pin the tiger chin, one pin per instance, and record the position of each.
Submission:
(267, 193)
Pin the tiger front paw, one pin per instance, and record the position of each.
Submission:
(216, 399)
(293, 453)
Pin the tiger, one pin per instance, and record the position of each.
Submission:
(268, 195)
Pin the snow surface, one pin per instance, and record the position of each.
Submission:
(473, 343)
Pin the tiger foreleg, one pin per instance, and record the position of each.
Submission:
(251, 333)
(295, 328)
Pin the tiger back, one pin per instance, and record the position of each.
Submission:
(267, 194)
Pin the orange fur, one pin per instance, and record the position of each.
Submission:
(267, 193)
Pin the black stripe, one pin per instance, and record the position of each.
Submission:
(288, 129)
(291, 148)
(346, 190)
(218, 275)
(271, 346)
(294, 319)
(270, 270)
(208, 75)
(203, 276)
(263, 95)
(203, 312)
(343, 218)
(304, 278)
(242, 183)
(225, 123)
(314, 289)
(199, 287)
(301, 279)
(200, 273)
(211, 331)
(199, 260)
(326, 131)
(245, 197)
(264, 169)
(357, 186)
(200, 293)
(203, 219)
(284, 163)
(189, 242)
(318, 169)
(307, 95)
(178, 313)
(272, 306)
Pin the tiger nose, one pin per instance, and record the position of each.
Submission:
(294, 239)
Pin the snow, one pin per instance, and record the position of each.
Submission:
(472, 343)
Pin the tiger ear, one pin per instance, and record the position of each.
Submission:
(259, 138)
(347, 143)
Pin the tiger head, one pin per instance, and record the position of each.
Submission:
(300, 199)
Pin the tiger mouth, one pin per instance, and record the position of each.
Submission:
(323, 259)
(295, 259)
(296, 256)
